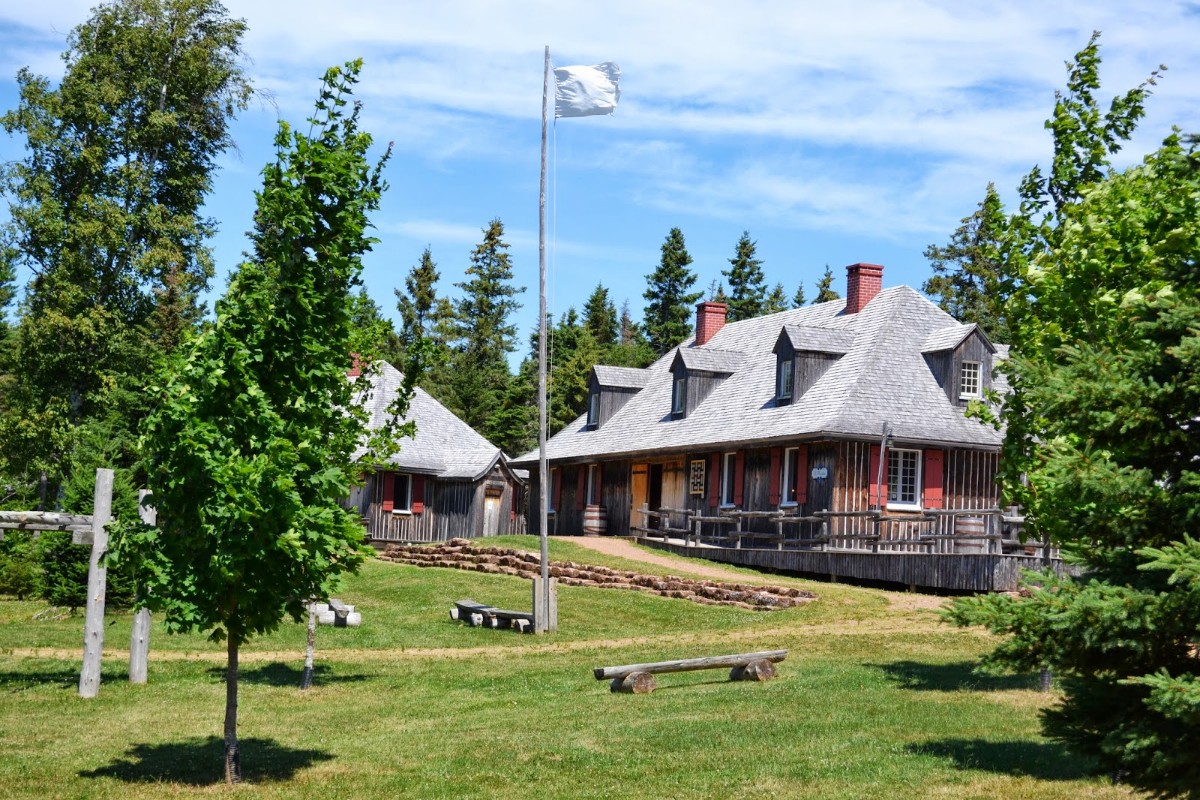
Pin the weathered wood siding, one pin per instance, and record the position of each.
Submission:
(946, 366)
(612, 398)
(452, 509)
(808, 369)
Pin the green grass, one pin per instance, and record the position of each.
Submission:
(874, 700)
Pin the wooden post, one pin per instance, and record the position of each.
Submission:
(545, 606)
(93, 625)
(139, 640)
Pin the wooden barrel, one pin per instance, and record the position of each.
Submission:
(595, 521)
(968, 527)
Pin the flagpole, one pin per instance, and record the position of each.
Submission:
(546, 623)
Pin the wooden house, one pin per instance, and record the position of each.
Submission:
(853, 408)
(447, 481)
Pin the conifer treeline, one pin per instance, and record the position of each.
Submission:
(472, 336)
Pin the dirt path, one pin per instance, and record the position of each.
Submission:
(623, 548)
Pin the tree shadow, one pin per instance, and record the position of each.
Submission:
(201, 762)
(62, 678)
(281, 674)
(1042, 760)
(955, 677)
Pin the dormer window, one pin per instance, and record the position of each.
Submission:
(593, 418)
(968, 380)
(679, 397)
(784, 381)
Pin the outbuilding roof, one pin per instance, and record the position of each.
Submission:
(444, 446)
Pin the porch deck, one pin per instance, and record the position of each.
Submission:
(962, 550)
(956, 572)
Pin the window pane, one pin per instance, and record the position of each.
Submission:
(783, 387)
(968, 385)
(680, 395)
(791, 462)
(727, 479)
(903, 477)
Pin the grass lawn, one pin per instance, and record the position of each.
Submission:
(876, 699)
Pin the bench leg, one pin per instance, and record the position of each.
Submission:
(761, 670)
(634, 683)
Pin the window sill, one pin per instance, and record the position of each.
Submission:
(789, 504)
(401, 512)
(903, 507)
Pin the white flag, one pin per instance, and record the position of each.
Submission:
(586, 91)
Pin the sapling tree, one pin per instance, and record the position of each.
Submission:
(252, 442)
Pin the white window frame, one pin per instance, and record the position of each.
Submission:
(785, 384)
(402, 500)
(593, 418)
(728, 479)
(787, 477)
(904, 478)
(970, 380)
(590, 497)
(679, 396)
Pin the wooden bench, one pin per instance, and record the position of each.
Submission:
(639, 678)
(477, 614)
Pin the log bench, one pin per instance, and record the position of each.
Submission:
(479, 614)
(639, 678)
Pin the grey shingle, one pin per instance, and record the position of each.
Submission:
(621, 377)
(443, 446)
(882, 377)
(811, 339)
(705, 359)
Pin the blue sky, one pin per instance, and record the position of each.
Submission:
(833, 133)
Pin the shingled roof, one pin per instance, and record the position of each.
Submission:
(882, 377)
(444, 445)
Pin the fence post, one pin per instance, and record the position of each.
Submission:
(93, 625)
(139, 640)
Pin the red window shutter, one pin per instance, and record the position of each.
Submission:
(739, 470)
(801, 476)
(557, 489)
(773, 489)
(389, 489)
(934, 478)
(418, 494)
(581, 489)
(877, 493)
(714, 480)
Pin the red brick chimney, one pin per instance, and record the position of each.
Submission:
(355, 366)
(710, 318)
(863, 282)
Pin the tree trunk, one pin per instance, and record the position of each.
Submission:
(306, 679)
(233, 758)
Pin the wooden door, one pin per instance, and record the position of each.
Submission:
(639, 492)
(822, 463)
(491, 516)
(674, 485)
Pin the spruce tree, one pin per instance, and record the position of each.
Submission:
(969, 280)
(600, 317)
(1100, 441)
(798, 299)
(747, 285)
(776, 301)
(825, 290)
(670, 306)
(482, 335)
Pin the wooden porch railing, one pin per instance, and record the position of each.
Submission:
(963, 530)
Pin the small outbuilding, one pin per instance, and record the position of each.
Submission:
(446, 482)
